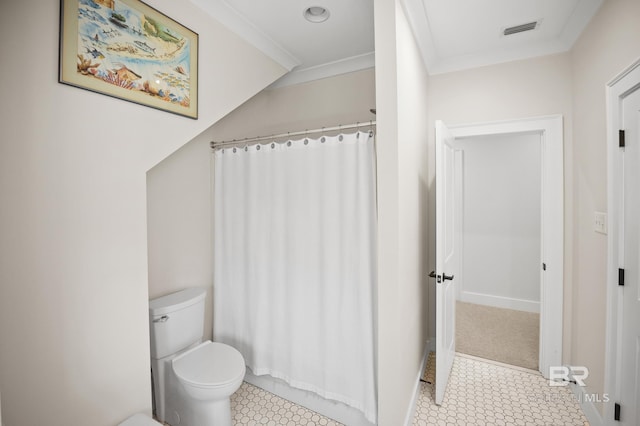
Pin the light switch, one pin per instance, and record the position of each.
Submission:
(600, 222)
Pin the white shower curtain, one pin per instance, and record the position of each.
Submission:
(294, 232)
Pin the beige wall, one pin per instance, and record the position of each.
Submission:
(401, 90)
(607, 46)
(529, 88)
(73, 252)
(179, 223)
(343, 99)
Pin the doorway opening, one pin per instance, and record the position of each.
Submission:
(449, 238)
(498, 290)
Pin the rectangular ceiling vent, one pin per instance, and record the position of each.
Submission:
(521, 28)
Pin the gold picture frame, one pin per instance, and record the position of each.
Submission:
(128, 50)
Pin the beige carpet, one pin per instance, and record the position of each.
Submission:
(497, 334)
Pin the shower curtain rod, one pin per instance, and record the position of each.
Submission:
(289, 134)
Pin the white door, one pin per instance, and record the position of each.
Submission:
(629, 343)
(446, 257)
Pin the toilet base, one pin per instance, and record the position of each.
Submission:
(216, 413)
(190, 412)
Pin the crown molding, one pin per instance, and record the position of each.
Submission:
(416, 14)
(494, 57)
(236, 22)
(330, 69)
(580, 18)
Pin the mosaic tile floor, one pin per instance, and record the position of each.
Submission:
(481, 393)
(251, 405)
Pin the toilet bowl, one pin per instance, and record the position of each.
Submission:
(192, 380)
(209, 374)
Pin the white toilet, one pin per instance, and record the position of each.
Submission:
(192, 381)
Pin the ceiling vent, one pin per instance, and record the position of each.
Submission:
(521, 28)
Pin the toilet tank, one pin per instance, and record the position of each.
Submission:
(176, 321)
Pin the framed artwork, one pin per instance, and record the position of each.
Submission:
(129, 50)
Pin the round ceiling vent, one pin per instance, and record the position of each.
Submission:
(316, 14)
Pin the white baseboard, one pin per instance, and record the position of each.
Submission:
(500, 301)
(416, 390)
(588, 407)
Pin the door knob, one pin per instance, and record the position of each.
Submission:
(447, 277)
(438, 278)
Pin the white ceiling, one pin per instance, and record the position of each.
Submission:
(452, 34)
(461, 34)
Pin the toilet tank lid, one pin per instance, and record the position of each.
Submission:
(176, 301)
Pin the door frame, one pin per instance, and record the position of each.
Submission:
(550, 129)
(620, 86)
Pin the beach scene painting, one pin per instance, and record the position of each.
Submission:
(127, 49)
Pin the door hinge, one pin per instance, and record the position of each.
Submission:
(620, 276)
(544, 266)
(621, 140)
(616, 413)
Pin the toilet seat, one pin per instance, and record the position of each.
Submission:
(210, 365)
